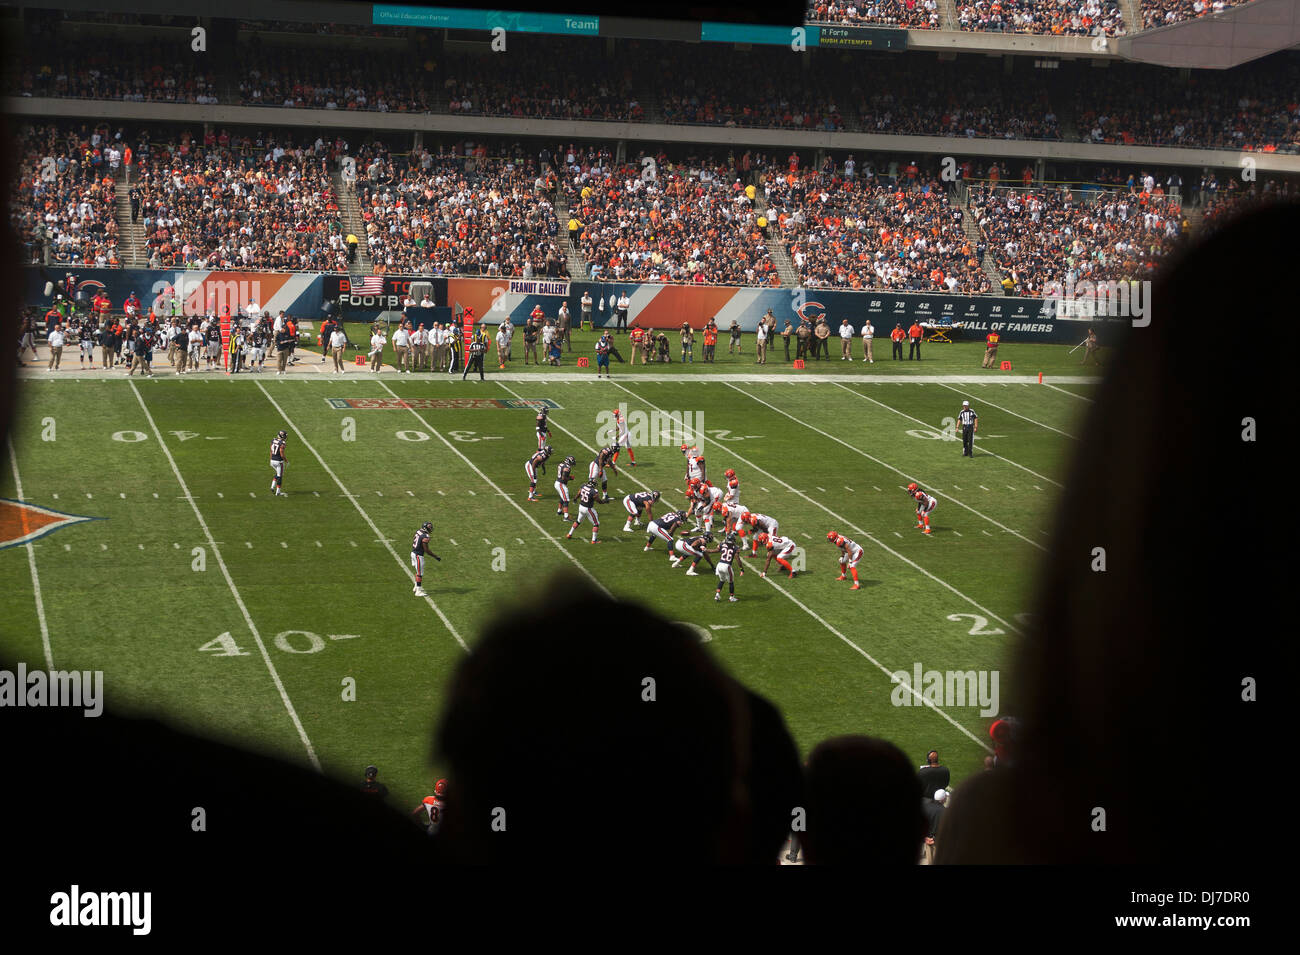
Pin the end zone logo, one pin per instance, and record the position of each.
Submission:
(21, 522)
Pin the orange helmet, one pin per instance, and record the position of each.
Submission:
(760, 538)
(730, 472)
(747, 518)
(717, 508)
(912, 488)
(440, 788)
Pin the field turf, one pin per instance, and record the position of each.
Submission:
(239, 615)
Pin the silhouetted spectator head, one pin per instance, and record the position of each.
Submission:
(1129, 675)
(597, 731)
(864, 804)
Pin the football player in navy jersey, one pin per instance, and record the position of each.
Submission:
(543, 429)
(562, 478)
(587, 508)
(663, 527)
(278, 461)
(534, 466)
(635, 503)
(728, 554)
(419, 549)
(696, 548)
(596, 470)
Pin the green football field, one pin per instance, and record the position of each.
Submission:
(250, 618)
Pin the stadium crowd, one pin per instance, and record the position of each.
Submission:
(141, 73)
(971, 100)
(271, 76)
(655, 221)
(466, 215)
(1041, 235)
(206, 206)
(543, 79)
(1254, 107)
(750, 88)
(846, 230)
(1051, 17)
(1160, 13)
(62, 204)
(907, 14)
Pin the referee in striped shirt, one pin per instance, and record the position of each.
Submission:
(969, 421)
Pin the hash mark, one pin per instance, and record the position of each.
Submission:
(155, 495)
(123, 496)
(822, 489)
(248, 544)
(380, 493)
(958, 533)
(89, 495)
(252, 494)
(519, 539)
(471, 493)
(453, 542)
(56, 497)
(987, 534)
(1010, 488)
(765, 490)
(1037, 488)
(410, 494)
(983, 488)
(896, 534)
(353, 543)
(876, 487)
(219, 494)
(103, 547)
(67, 547)
(141, 546)
(847, 488)
(441, 494)
(283, 544)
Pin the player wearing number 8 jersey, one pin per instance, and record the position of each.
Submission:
(778, 548)
(850, 554)
(434, 807)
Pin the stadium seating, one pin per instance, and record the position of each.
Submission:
(1159, 13)
(333, 80)
(458, 215)
(1255, 107)
(865, 232)
(1041, 235)
(669, 223)
(135, 73)
(218, 208)
(69, 198)
(907, 14)
(1050, 17)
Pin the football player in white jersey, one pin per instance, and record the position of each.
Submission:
(621, 438)
(759, 522)
(850, 554)
(778, 548)
(694, 462)
(925, 505)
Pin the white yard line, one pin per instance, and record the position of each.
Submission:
(1009, 411)
(31, 562)
(1072, 394)
(362, 511)
(239, 601)
(847, 523)
(513, 503)
(884, 464)
(984, 450)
